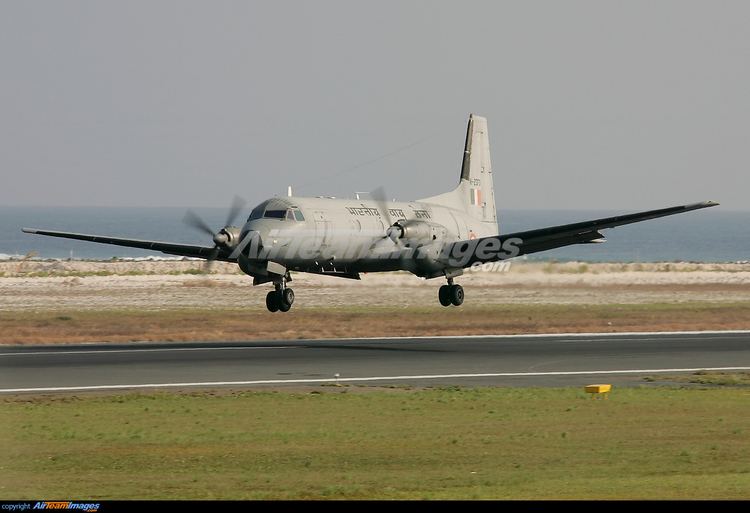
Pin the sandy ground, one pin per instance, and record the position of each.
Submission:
(157, 285)
(81, 302)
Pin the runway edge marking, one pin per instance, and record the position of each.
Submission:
(146, 350)
(537, 335)
(365, 379)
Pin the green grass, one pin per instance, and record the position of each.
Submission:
(364, 443)
(736, 379)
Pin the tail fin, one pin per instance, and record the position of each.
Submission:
(477, 171)
(475, 193)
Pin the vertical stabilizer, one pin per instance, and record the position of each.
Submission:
(476, 171)
(475, 194)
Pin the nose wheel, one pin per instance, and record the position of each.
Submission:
(280, 299)
(451, 294)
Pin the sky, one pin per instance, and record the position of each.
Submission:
(591, 104)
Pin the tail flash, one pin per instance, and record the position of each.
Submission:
(476, 197)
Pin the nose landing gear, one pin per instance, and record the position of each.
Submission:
(451, 294)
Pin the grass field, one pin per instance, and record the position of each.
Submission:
(30, 327)
(356, 442)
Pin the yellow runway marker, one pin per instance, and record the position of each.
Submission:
(598, 390)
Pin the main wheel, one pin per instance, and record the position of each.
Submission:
(444, 295)
(287, 296)
(285, 299)
(272, 301)
(457, 294)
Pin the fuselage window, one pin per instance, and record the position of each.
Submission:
(298, 215)
(275, 214)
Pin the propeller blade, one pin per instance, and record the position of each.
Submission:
(194, 220)
(379, 196)
(381, 199)
(237, 205)
(209, 265)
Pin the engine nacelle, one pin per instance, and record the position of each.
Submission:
(416, 232)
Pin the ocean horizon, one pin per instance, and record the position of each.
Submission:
(711, 235)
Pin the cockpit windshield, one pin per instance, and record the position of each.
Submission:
(267, 211)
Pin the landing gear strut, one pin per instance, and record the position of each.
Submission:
(451, 294)
(281, 298)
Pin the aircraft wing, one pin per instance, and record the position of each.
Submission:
(169, 248)
(543, 239)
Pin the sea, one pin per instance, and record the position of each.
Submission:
(711, 235)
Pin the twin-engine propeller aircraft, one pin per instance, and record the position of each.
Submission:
(434, 237)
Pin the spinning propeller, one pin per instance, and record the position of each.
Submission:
(226, 238)
(394, 230)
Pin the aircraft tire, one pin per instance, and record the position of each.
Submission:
(444, 295)
(456, 295)
(272, 301)
(287, 296)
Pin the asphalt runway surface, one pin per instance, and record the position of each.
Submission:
(524, 360)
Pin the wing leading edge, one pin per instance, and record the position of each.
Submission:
(543, 239)
(169, 248)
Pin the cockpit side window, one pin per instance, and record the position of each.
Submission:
(289, 215)
(298, 215)
(257, 213)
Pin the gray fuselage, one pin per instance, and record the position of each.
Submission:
(349, 235)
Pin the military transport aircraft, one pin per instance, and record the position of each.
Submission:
(434, 237)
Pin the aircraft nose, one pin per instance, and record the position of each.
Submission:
(250, 242)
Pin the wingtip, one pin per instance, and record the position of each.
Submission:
(702, 204)
(28, 230)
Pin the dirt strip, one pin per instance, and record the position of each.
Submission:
(60, 301)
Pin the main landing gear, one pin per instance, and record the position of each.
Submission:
(451, 294)
(280, 299)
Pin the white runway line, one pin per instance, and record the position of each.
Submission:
(152, 350)
(574, 335)
(366, 379)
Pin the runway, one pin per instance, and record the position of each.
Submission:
(524, 360)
